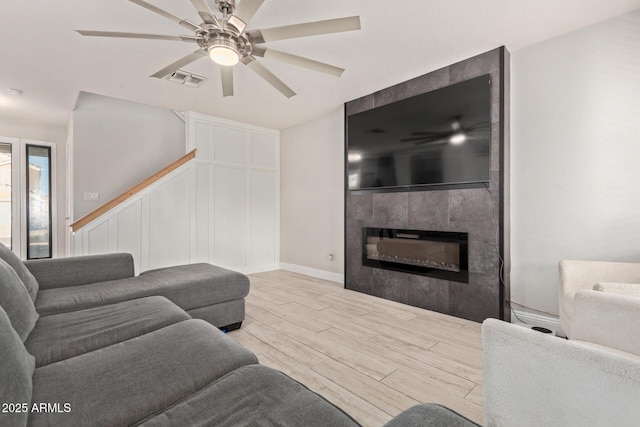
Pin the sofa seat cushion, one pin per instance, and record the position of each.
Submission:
(253, 396)
(189, 286)
(127, 382)
(15, 300)
(65, 335)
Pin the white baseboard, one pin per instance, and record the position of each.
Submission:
(313, 272)
(259, 268)
(535, 319)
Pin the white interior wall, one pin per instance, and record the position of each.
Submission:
(312, 194)
(13, 128)
(32, 130)
(117, 144)
(575, 155)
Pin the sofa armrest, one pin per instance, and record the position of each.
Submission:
(80, 270)
(534, 379)
(607, 319)
(577, 275)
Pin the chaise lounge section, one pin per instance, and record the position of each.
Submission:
(64, 285)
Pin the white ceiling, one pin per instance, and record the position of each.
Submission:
(42, 55)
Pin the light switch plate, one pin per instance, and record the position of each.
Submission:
(92, 196)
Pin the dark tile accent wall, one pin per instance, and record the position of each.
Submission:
(481, 212)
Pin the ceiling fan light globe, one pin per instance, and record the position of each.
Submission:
(354, 157)
(223, 50)
(224, 55)
(458, 138)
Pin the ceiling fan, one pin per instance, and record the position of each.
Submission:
(458, 134)
(225, 39)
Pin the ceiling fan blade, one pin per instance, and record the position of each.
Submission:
(427, 137)
(184, 22)
(91, 33)
(432, 141)
(481, 125)
(263, 72)
(304, 30)
(245, 10)
(422, 138)
(426, 134)
(205, 12)
(298, 61)
(227, 80)
(179, 63)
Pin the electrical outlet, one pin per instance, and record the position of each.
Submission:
(331, 257)
(92, 196)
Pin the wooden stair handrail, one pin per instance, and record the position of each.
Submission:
(131, 192)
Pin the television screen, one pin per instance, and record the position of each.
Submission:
(436, 138)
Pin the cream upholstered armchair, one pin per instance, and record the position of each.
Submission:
(593, 379)
(590, 379)
(614, 277)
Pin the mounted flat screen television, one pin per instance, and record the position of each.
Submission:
(439, 138)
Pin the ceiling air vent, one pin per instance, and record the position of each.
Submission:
(186, 78)
(179, 76)
(194, 80)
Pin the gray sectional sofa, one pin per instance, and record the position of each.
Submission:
(125, 351)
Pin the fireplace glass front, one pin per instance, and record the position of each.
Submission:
(439, 254)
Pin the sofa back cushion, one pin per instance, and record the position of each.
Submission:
(15, 301)
(25, 275)
(16, 372)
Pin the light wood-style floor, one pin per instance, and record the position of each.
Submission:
(371, 357)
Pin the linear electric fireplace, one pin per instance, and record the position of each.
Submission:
(439, 254)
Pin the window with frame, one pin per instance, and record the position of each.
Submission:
(26, 197)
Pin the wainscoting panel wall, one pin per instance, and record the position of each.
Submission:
(168, 221)
(264, 213)
(128, 230)
(229, 215)
(221, 207)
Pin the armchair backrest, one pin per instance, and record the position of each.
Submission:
(577, 275)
